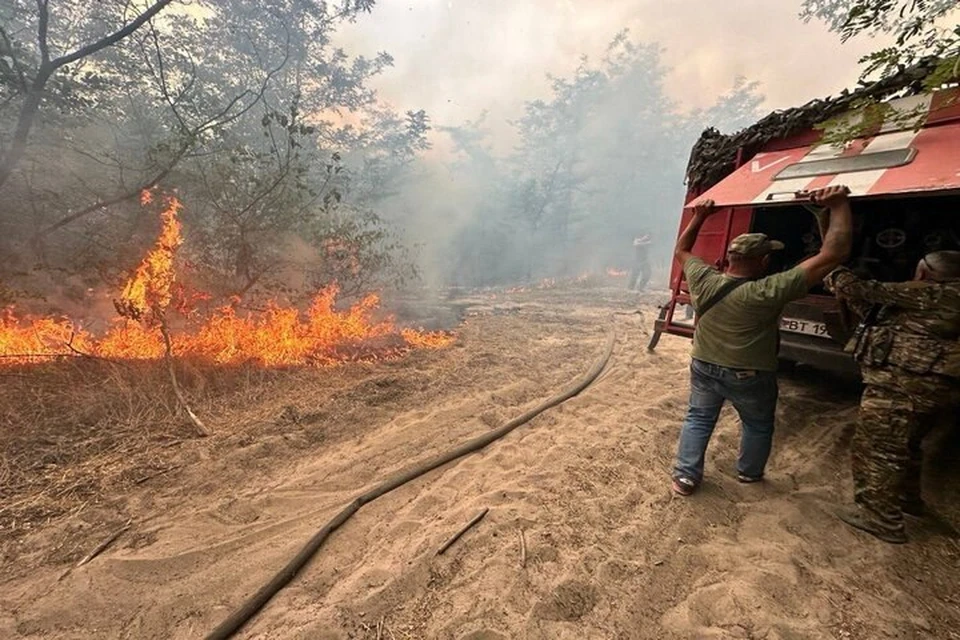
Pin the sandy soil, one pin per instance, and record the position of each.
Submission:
(609, 552)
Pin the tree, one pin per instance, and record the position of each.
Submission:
(732, 111)
(921, 29)
(205, 68)
(241, 106)
(30, 81)
(597, 161)
(603, 158)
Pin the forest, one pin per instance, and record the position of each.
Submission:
(294, 173)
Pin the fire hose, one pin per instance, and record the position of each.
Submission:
(258, 600)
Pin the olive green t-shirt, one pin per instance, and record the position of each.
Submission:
(741, 331)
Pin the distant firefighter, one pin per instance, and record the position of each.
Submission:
(910, 359)
(640, 271)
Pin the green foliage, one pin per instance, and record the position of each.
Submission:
(920, 28)
(868, 115)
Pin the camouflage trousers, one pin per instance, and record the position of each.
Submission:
(897, 410)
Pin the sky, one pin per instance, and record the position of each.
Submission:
(457, 58)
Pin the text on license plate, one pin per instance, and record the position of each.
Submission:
(807, 327)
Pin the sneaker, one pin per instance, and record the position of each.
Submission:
(745, 479)
(684, 486)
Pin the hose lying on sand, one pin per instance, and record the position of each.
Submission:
(255, 602)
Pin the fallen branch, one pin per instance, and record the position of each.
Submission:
(168, 357)
(78, 352)
(157, 474)
(39, 355)
(477, 518)
(523, 550)
(72, 352)
(100, 548)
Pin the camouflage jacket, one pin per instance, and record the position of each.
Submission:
(917, 327)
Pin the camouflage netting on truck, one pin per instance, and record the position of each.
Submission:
(714, 156)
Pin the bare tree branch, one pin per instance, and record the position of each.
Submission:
(113, 38)
(103, 204)
(222, 118)
(160, 74)
(31, 104)
(43, 23)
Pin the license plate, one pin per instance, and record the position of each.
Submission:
(806, 327)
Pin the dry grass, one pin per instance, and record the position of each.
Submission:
(72, 431)
(78, 429)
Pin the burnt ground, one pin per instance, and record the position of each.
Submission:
(609, 552)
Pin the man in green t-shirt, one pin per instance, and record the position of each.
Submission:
(736, 339)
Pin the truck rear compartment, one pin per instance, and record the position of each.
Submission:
(890, 237)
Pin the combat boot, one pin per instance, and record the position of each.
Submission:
(915, 507)
(860, 518)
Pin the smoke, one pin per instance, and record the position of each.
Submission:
(41, 292)
(560, 130)
(484, 205)
(456, 58)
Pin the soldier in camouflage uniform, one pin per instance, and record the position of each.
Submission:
(909, 355)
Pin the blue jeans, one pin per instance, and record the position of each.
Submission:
(752, 393)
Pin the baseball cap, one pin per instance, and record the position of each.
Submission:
(754, 245)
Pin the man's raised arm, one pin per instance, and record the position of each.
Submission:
(838, 238)
(701, 211)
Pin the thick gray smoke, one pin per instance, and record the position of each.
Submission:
(493, 142)
(456, 58)
(559, 135)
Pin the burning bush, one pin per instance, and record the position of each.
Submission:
(83, 411)
(277, 335)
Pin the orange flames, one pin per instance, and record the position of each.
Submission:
(427, 339)
(278, 336)
(148, 292)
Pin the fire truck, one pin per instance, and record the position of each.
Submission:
(904, 175)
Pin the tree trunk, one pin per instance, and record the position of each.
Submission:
(28, 113)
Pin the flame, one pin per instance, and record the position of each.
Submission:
(129, 340)
(428, 340)
(148, 292)
(549, 283)
(276, 336)
(282, 336)
(38, 338)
